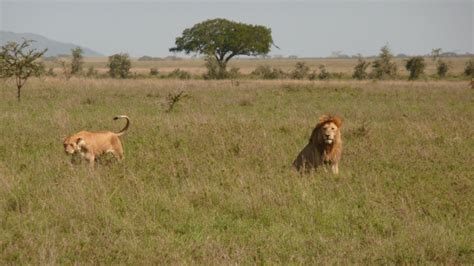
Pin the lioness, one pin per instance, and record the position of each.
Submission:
(324, 147)
(89, 145)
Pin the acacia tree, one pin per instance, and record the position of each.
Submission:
(20, 61)
(221, 40)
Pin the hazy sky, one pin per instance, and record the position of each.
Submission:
(303, 28)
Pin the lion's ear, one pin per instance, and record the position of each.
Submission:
(80, 141)
(337, 120)
(323, 119)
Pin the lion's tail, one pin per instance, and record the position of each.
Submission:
(126, 126)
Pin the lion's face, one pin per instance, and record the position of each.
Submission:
(329, 132)
(72, 145)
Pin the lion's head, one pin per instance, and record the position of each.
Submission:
(73, 144)
(327, 131)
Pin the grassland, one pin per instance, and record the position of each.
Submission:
(246, 66)
(210, 182)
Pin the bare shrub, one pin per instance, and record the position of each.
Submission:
(173, 98)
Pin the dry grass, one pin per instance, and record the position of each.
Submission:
(211, 183)
(246, 66)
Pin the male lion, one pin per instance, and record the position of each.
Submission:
(324, 147)
(89, 145)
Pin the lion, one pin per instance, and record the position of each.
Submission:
(89, 145)
(324, 147)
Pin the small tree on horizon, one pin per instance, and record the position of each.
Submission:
(119, 66)
(442, 68)
(416, 67)
(221, 40)
(469, 69)
(383, 66)
(67, 68)
(19, 60)
(77, 60)
(435, 54)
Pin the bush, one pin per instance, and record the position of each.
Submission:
(233, 73)
(91, 72)
(323, 73)
(300, 72)
(383, 66)
(50, 72)
(119, 66)
(214, 71)
(154, 71)
(179, 74)
(442, 68)
(67, 69)
(267, 72)
(360, 70)
(469, 70)
(313, 75)
(149, 58)
(416, 67)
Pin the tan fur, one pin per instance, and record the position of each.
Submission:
(324, 147)
(89, 145)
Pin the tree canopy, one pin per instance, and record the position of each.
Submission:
(223, 39)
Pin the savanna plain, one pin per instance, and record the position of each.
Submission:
(210, 181)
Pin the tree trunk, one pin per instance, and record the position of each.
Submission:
(222, 69)
(18, 91)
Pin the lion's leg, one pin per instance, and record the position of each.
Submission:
(117, 150)
(71, 164)
(335, 168)
(325, 168)
(91, 159)
(119, 153)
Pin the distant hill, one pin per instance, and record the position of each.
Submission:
(55, 48)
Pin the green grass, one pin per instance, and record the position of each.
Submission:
(211, 182)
